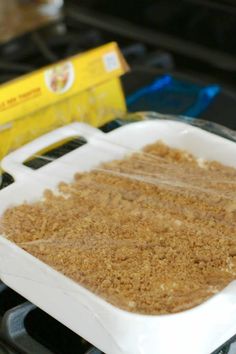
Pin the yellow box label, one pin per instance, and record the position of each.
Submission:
(84, 88)
(55, 83)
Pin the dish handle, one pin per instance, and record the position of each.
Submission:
(14, 162)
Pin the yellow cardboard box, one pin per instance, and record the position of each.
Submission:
(85, 88)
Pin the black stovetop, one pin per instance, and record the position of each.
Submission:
(145, 49)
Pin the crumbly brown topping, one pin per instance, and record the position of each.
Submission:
(153, 233)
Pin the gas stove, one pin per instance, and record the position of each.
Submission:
(24, 328)
(149, 52)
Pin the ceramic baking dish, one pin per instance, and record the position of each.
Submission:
(200, 330)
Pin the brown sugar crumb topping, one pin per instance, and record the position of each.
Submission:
(153, 233)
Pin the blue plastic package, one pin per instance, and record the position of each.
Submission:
(168, 95)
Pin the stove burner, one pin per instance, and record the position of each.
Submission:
(26, 329)
(64, 38)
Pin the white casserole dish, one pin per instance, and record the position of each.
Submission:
(200, 330)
